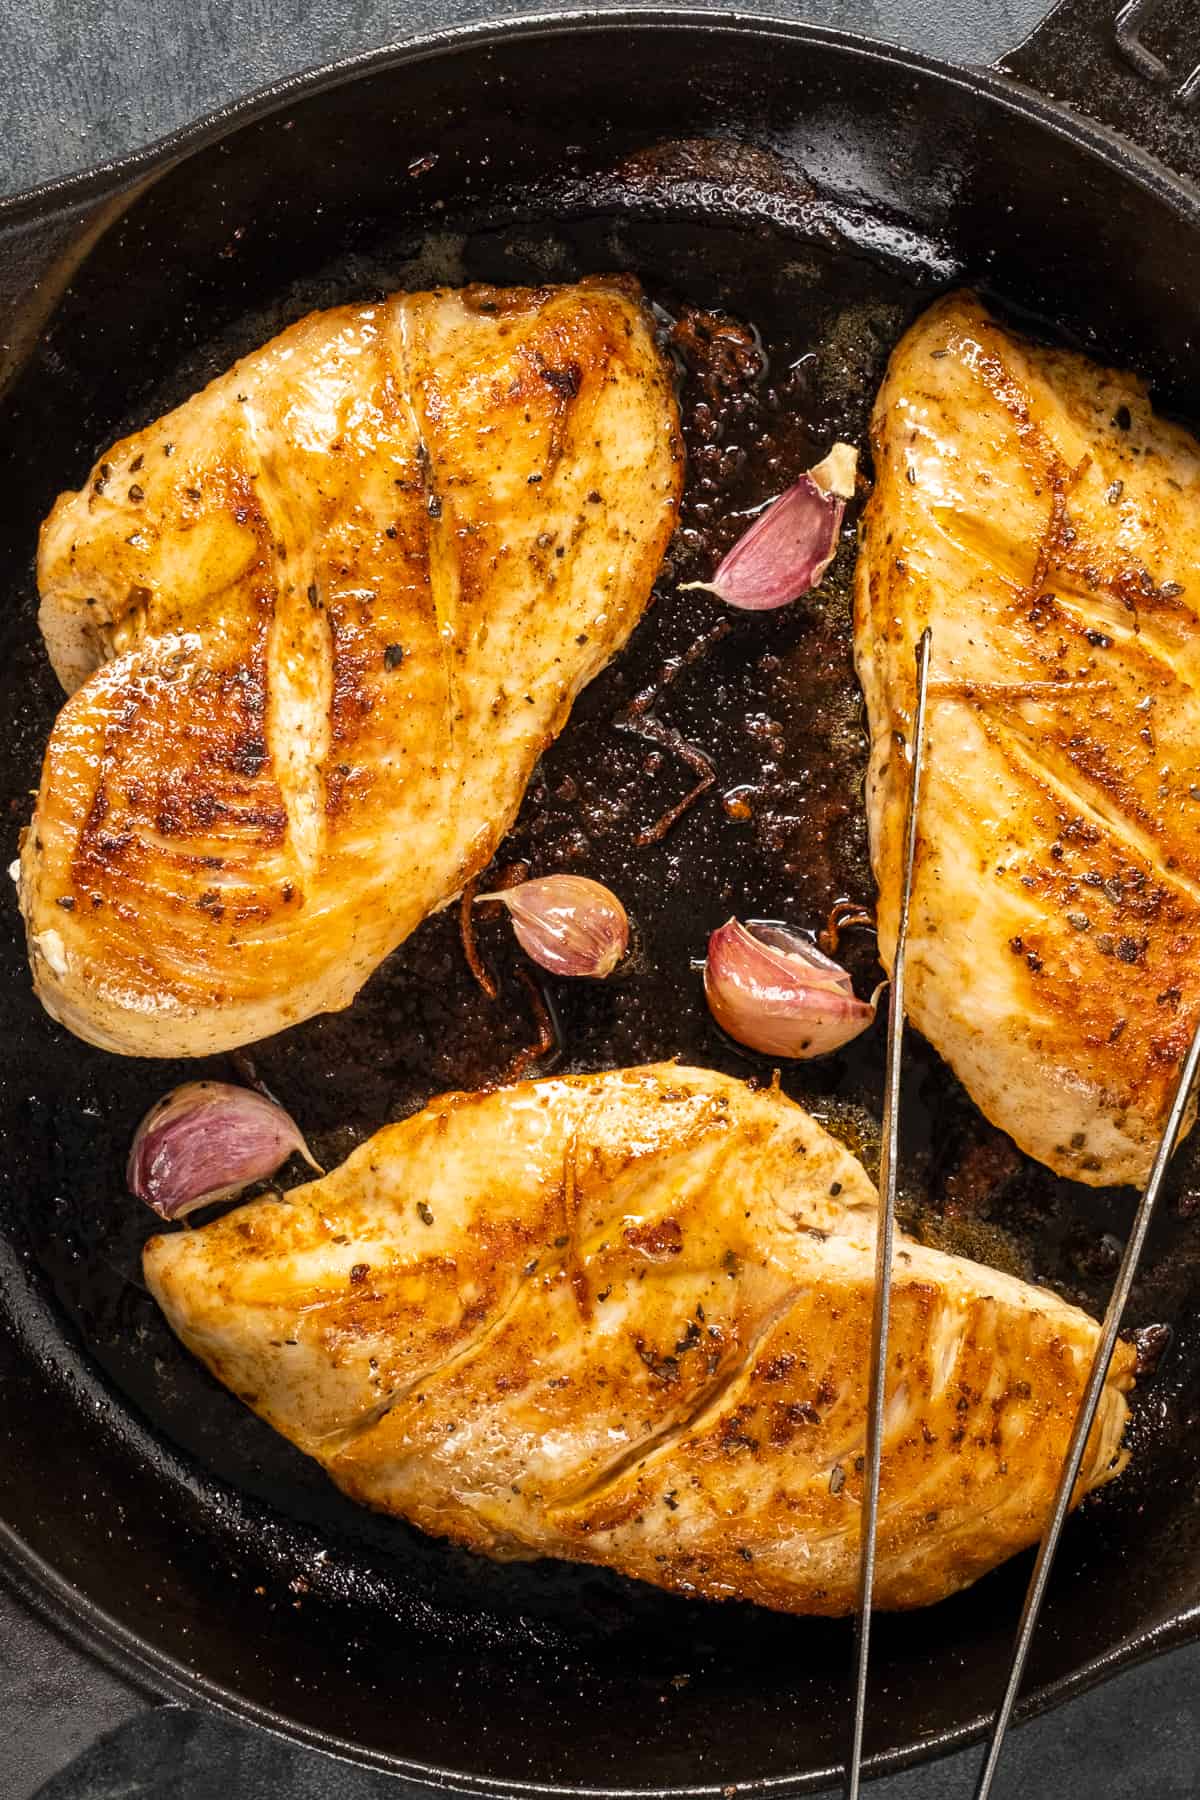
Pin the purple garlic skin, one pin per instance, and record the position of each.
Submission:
(774, 991)
(568, 924)
(209, 1141)
(788, 548)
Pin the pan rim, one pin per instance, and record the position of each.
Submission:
(49, 1593)
(62, 1604)
(100, 180)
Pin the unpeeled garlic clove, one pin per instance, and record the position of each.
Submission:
(209, 1141)
(775, 992)
(567, 924)
(787, 550)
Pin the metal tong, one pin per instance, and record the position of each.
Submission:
(1085, 1416)
(881, 1312)
(1086, 1413)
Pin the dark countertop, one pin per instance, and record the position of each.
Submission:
(87, 80)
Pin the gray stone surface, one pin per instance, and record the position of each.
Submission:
(85, 80)
(1133, 1740)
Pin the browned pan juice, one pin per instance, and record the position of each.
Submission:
(781, 330)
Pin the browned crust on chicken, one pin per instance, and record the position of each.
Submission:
(1034, 511)
(318, 624)
(625, 1319)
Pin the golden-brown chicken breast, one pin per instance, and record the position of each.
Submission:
(1031, 508)
(626, 1318)
(325, 616)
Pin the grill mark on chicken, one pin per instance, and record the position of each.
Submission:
(576, 1271)
(299, 663)
(1049, 541)
(1004, 387)
(439, 542)
(974, 538)
(1005, 693)
(1140, 645)
(710, 1403)
(1097, 794)
(333, 1442)
(1081, 605)
(559, 1247)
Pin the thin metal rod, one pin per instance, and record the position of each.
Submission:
(885, 1237)
(1086, 1415)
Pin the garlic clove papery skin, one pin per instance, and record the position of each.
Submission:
(786, 551)
(208, 1141)
(776, 993)
(568, 924)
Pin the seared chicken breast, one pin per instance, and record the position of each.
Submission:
(1033, 510)
(318, 624)
(626, 1318)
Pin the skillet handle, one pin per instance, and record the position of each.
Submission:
(1100, 57)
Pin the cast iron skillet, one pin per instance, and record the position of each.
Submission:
(139, 1502)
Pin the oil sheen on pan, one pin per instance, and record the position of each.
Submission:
(770, 376)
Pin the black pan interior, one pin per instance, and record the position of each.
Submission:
(821, 194)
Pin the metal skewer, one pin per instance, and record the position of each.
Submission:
(1085, 1416)
(881, 1317)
